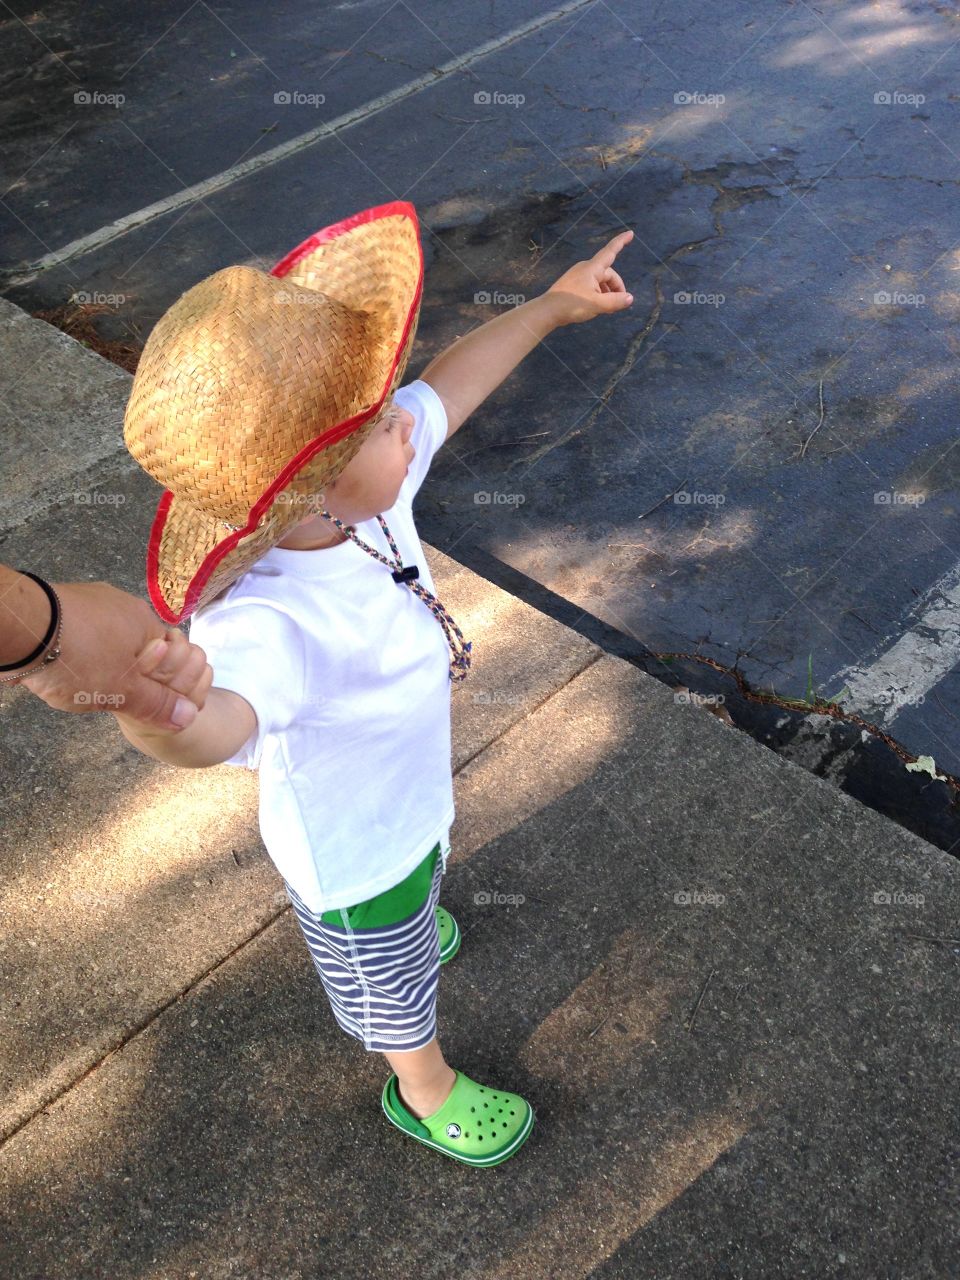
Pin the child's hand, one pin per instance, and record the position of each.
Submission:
(173, 663)
(592, 288)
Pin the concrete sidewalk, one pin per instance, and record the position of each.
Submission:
(729, 991)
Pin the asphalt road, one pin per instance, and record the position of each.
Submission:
(756, 463)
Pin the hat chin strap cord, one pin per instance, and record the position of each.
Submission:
(459, 648)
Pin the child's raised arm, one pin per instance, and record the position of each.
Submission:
(472, 367)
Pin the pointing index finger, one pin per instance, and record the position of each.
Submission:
(607, 255)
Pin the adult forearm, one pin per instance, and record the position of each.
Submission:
(472, 367)
(24, 615)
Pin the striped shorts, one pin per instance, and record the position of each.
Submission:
(379, 961)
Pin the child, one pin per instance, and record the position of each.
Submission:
(264, 404)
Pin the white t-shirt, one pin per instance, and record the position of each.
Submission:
(348, 673)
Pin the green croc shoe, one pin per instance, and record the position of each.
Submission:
(449, 935)
(475, 1125)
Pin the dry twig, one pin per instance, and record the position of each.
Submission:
(703, 992)
(803, 447)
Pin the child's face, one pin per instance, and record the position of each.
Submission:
(368, 484)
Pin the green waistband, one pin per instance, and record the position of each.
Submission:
(393, 904)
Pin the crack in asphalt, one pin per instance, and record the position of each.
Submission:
(634, 349)
(818, 706)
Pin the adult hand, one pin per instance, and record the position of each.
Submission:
(592, 288)
(116, 653)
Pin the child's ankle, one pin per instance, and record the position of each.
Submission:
(426, 1102)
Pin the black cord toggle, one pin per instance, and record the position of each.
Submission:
(406, 574)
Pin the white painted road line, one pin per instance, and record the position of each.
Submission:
(76, 248)
(905, 672)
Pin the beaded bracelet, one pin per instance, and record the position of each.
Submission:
(51, 637)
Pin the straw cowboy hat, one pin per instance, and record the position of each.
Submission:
(256, 389)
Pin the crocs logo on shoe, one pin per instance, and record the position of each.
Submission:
(453, 1131)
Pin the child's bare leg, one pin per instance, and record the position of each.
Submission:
(425, 1079)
